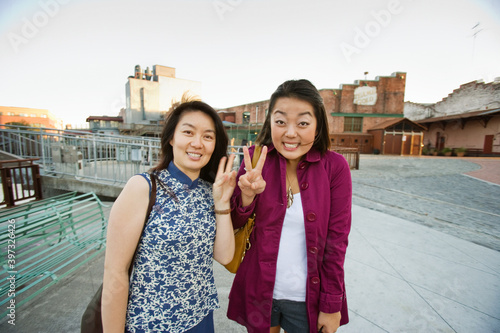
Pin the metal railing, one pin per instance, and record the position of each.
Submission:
(83, 155)
(95, 157)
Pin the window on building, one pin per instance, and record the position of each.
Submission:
(23, 115)
(32, 115)
(44, 116)
(246, 117)
(11, 114)
(353, 124)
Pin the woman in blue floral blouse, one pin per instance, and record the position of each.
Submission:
(172, 286)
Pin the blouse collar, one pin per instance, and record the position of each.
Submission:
(181, 176)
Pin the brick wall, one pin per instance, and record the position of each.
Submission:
(252, 109)
(390, 96)
(389, 101)
(34, 117)
(475, 95)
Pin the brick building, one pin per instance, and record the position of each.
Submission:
(30, 116)
(469, 117)
(353, 110)
(243, 122)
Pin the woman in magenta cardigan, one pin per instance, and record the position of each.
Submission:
(292, 277)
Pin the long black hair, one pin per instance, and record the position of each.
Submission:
(305, 91)
(209, 171)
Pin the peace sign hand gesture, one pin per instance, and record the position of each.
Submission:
(251, 182)
(224, 183)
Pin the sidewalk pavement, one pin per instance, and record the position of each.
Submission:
(400, 277)
(404, 277)
(405, 272)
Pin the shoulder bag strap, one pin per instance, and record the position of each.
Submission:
(152, 200)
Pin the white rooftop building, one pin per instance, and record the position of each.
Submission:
(151, 94)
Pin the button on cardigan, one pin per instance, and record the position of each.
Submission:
(326, 191)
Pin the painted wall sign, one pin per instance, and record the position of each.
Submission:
(365, 95)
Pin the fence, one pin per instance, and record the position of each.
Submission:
(20, 181)
(83, 155)
(93, 157)
(350, 154)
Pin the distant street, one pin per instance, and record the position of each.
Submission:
(434, 192)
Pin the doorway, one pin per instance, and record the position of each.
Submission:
(488, 144)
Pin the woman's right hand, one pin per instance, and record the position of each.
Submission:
(251, 182)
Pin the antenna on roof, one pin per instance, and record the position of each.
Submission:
(476, 29)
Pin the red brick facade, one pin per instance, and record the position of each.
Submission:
(377, 101)
(30, 116)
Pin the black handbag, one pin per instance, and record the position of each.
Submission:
(92, 319)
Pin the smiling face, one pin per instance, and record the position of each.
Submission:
(193, 142)
(293, 127)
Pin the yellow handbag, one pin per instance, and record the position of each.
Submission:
(242, 235)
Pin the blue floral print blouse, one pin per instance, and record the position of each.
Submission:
(172, 287)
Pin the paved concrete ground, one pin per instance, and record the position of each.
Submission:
(423, 255)
(440, 193)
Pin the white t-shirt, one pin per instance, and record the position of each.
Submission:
(291, 268)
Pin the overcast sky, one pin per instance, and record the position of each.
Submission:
(73, 57)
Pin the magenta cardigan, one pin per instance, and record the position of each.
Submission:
(326, 191)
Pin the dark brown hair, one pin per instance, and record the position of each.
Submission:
(209, 171)
(305, 91)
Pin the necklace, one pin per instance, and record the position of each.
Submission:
(289, 193)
